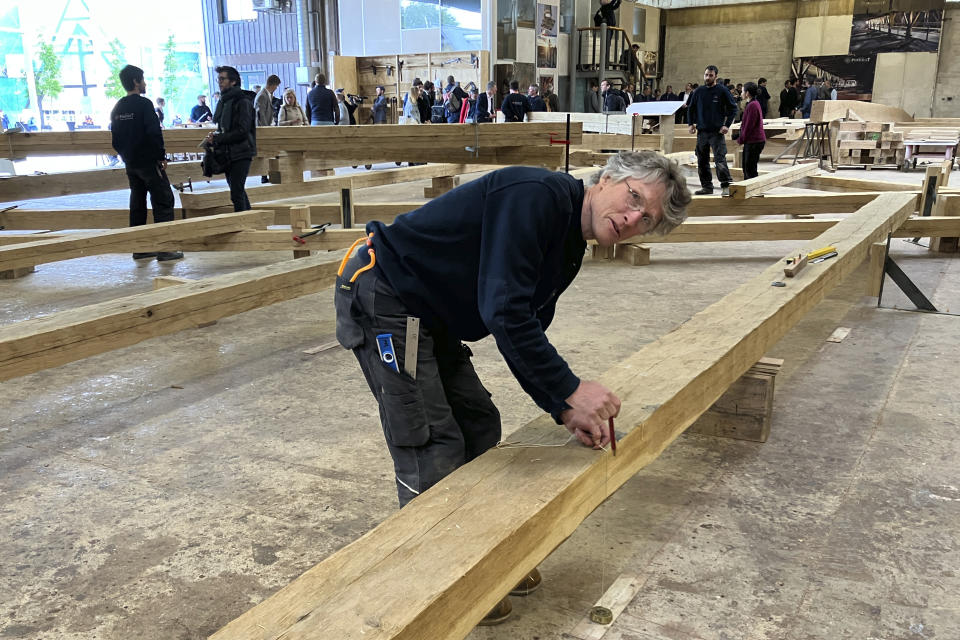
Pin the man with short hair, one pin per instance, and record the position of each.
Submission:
(487, 104)
(515, 105)
(200, 112)
(630, 61)
(264, 102)
(823, 91)
(533, 96)
(424, 104)
(322, 106)
(136, 135)
(512, 243)
(647, 95)
(833, 90)
(669, 95)
(763, 96)
(236, 135)
(612, 99)
(788, 100)
(379, 107)
(591, 99)
(453, 97)
(809, 95)
(711, 112)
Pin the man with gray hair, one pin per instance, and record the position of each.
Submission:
(490, 257)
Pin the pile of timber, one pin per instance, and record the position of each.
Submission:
(869, 145)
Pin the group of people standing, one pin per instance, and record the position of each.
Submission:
(795, 98)
(422, 104)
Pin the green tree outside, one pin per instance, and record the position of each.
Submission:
(425, 15)
(171, 85)
(116, 60)
(46, 75)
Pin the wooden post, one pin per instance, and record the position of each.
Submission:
(666, 134)
(300, 222)
(938, 208)
(440, 185)
(601, 253)
(287, 168)
(744, 411)
(346, 208)
(878, 254)
(13, 274)
(633, 254)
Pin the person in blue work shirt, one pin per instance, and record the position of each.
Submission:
(809, 96)
(468, 266)
(710, 112)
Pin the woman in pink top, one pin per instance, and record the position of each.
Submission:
(751, 136)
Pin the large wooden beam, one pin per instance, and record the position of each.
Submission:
(50, 341)
(827, 110)
(332, 184)
(779, 178)
(48, 185)
(779, 204)
(475, 534)
(689, 231)
(769, 230)
(142, 238)
(382, 142)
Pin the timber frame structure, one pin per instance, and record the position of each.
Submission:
(467, 563)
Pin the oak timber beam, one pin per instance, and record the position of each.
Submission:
(274, 140)
(332, 184)
(474, 535)
(779, 178)
(770, 230)
(141, 238)
(779, 204)
(67, 336)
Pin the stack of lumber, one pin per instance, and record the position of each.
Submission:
(947, 135)
(869, 145)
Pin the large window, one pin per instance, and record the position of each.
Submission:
(234, 10)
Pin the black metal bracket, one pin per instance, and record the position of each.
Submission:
(902, 280)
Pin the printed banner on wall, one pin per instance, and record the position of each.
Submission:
(546, 35)
(547, 53)
(879, 28)
(851, 76)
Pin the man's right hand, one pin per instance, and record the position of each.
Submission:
(692, 128)
(591, 406)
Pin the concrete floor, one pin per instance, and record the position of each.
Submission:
(159, 491)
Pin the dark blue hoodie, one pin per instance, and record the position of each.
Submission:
(711, 108)
(491, 258)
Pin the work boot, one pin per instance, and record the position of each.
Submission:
(498, 614)
(164, 256)
(725, 191)
(703, 192)
(141, 256)
(528, 585)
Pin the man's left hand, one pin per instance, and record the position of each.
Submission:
(724, 130)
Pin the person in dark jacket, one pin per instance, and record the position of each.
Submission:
(607, 13)
(322, 108)
(487, 103)
(136, 136)
(200, 112)
(236, 135)
(533, 97)
(613, 99)
(515, 105)
(490, 257)
(591, 99)
(763, 96)
(788, 100)
(669, 95)
(710, 112)
(752, 136)
(379, 107)
(809, 96)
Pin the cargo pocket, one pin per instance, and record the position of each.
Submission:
(349, 331)
(404, 415)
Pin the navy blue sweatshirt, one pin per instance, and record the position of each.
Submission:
(135, 132)
(322, 105)
(711, 108)
(491, 258)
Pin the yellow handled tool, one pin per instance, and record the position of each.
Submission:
(820, 252)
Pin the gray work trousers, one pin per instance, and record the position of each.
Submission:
(712, 141)
(432, 424)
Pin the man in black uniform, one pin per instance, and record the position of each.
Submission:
(488, 258)
(137, 137)
(515, 105)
